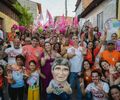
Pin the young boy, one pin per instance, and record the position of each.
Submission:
(59, 88)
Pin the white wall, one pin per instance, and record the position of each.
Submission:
(79, 9)
(109, 10)
(108, 7)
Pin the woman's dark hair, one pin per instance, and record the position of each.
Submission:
(21, 57)
(32, 61)
(83, 64)
(97, 71)
(34, 37)
(113, 87)
(48, 43)
(59, 50)
(100, 63)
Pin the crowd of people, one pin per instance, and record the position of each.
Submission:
(53, 65)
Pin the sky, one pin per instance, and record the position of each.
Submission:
(57, 7)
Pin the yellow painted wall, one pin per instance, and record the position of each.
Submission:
(118, 9)
(7, 22)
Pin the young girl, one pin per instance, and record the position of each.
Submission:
(15, 78)
(33, 82)
(1, 82)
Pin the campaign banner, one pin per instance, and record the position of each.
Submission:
(113, 26)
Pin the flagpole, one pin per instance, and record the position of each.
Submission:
(66, 8)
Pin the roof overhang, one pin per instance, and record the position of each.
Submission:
(10, 3)
(90, 7)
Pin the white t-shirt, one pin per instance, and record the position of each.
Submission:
(12, 53)
(76, 61)
(97, 94)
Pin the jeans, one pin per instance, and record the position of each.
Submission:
(74, 82)
(62, 96)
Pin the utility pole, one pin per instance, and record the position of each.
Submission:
(66, 8)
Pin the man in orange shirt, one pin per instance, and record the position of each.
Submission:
(32, 52)
(110, 54)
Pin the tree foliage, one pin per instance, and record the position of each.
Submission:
(26, 18)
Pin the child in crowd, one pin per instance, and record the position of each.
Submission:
(15, 78)
(59, 88)
(33, 82)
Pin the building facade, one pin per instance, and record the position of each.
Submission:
(33, 7)
(118, 9)
(97, 11)
(8, 14)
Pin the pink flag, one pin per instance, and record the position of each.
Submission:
(49, 19)
(62, 24)
(75, 22)
(41, 19)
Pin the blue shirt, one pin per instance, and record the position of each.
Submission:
(18, 78)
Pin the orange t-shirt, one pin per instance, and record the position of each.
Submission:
(111, 57)
(30, 54)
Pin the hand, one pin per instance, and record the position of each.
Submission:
(100, 87)
(47, 57)
(37, 54)
(112, 69)
(84, 51)
(105, 29)
(67, 88)
(82, 36)
(50, 89)
(81, 82)
(9, 76)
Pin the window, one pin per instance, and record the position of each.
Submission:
(100, 20)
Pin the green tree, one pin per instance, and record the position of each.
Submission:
(26, 18)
